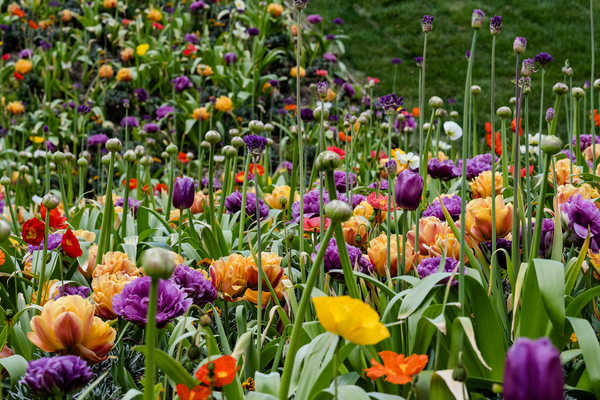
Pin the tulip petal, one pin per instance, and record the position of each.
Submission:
(68, 329)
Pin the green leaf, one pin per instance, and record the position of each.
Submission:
(16, 366)
(430, 386)
(573, 272)
(171, 367)
(588, 343)
(551, 282)
(576, 305)
(267, 383)
(347, 392)
(90, 388)
(417, 294)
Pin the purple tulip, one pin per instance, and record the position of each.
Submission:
(409, 189)
(183, 193)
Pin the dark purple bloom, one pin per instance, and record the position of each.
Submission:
(452, 203)
(311, 204)
(496, 24)
(83, 109)
(194, 284)
(233, 203)
(183, 193)
(191, 37)
(390, 102)
(133, 204)
(427, 23)
(68, 290)
(274, 82)
(409, 189)
(586, 141)
(330, 37)
(130, 122)
(285, 165)
(181, 83)
(340, 180)
(216, 183)
(50, 376)
(314, 19)
(54, 240)
(26, 53)
(501, 244)
(164, 111)
(533, 371)
(380, 185)
(419, 61)
(141, 95)
(45, 45)
(431, 266)
(348, 90)
(443, 170)
(253, 31)
(255, 143)
(543, 59)
(330, 57)
(151, 127)
(477, 164)
(132, 302)
(338, 21)
(230, 58)
(197, 6)
(307, 115)
(583, 215)
(547, 237)
(332, 260)
(396, 61)
(98, 140)
(338, 81)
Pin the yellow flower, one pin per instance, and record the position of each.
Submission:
(105, 72)
(294, 72)
(84, 235)
(377, 252)
(430, 228)
(224, 104)
(113, 262)
(330, 95)
(280, 197)
(36, 139)
(204, 70)
(67, 15)
(142, 49)
(109, 4)
(49, 290)
(482, 184)
(479, 218)
(23, 66)
(154, 15)
(68, 325)
(356, 231)
(124, 75)
(364, 209)
(15, 107)
(105, 287)
(201, 113)
(563, 172)
(591, 151)
(275, 9)
(350, 318)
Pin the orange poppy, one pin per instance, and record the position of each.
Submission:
(132, 183)
(344, 137)
(337, 150)
(200, 392)
(513, 125)
(596, 118)
(290, 107)
(239, 177)
(397, 368)
(160, 187)
(32, 24)
(2, 257)
(416, 112)
(497, 142)
(219, 372)
(183, 157)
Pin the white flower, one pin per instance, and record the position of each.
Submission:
(444, 146)
(453, 130)
(532, 149)
(240, 5)
(535, 139)
(411, 159)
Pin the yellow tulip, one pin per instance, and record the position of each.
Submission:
(377, 252)
(356, 231)
(23, 66)
(563, 172)
(15, 107)
(142, 49)
(280, 197)
(294, 72)
(224, 104)
(113, 262)
(350, 318)
(364, 209)
(68, 325)
(105, 287)
(482, 184)
(479, 218)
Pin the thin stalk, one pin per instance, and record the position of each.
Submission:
(535, 244)
(126, 199)
(243, 209)
(301, 176)
(172, 184)
(260, 279)
(493, 147)
(592, 73)
(42, 278)
(516, 248)
(150, 368)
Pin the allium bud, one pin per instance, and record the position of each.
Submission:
(82, 162)
(504, 112)
(577, 93)
(50, 201)
(213, 137)
(229, 151)
(551, 144)
(237, 142)
(106, 159)
(256, 126)
(496, 25)
(597, 84)
(441, 113)
(520, 45)
(205, 145)
(327, 160)
(477, 19)
(560, 88)
(322, 88)
(427, 23)
(454, 115)
(129, 156)
(146, 161)
(549, 114)
(566, 70)
(300, 4)
(59, 156)
(269, 127)
(4, 230)
(475, 90)
(436, 102)
(5, 181)
(528, 67)
(172, 149)
(158, 263)
(338, 211)
(113, 145)
(234, 132)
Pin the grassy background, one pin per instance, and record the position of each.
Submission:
(382, 29)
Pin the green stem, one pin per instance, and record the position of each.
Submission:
(301, 176)
(125, 212)
(535, 244)
(516, 248)
(172, 184)
(150, 368)
(243, 210)
(42, 278)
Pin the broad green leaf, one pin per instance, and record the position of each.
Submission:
(551, 282)
(430, 386)
(267, 383)
(16, 366)
(573, 272)
(417, 294)
(173, 369)
(588, 343)
(347, 392)
(576, 305)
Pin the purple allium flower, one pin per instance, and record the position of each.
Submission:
(54, 240)
(332, 261)
(396, 61)
(427, 23)
(132, 302)
(307, 115)
(252, 31)
(348, 90)
(45, 45)
(452, 203)
(164, 111)
(314, 19)
(53, 376)
(230, 58)
(191, 38)
(390, 102)
(496, 24)
(543, 59)
(68, 290)
(183, 193)
(216, 183)
(528, 67)
(468, 54)
(407, 124)
(233, 203)
(409, 189)
(194, 284)
(83, 109)
(330, 57)
(197, 6)
(98, 140)
(586, 141)
(520, 44)
(338, 21)
(322, 88)
(340, 180)
(582, 215)
(431, 266)
(443, 170)
(151, 128)
(141, 94)
(130, 122)
(477, 164)
(181, 83)
(533, 371)
(419, 61)
(477, 19)
(569, 154)
(255, 143)
(26, 53)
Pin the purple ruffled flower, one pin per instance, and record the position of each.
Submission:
(98, 140)
(50, 376)
(68, 290)
(130, 122)
(340, 180)
(583, 215)
(151, 128)
(216, 183)
(330, 57)
(164, 111)
(332, 261)
(197, 6)
(132, 302)
(390, 102)
(547, 236)
(307, 115)
(255, 143)
(314, 19)
(452, 203)
(194, 284)
(348, 90)
(586, 141)
(501, 244)
(181, 83)
(431, 266)
(233, 203)
(133, 204)
(443, 170)
(543, 59)
(253, 31)
(477, 164)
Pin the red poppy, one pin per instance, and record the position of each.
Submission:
(314, 224)
(239, 177)
(338, 151)
(18, 76)
(488, 127)
(497, 142)
(56, 220)
(381, 155)
(321, 72)
(158, 26)
(33, 231)
(513, 126)
(218, 373)
(511, 169)
(132, 183)
(189, 50)
(6, 56)
(183, 157)
(32, 24)
(374, 80)
(160, 187)
(18, 12)
(70, 244)
(200, 392)
(126, 21)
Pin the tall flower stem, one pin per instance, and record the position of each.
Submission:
(301, 176)
(126, 199)
(535, 243)
(592, 73)
(260, 277)
(465, 144)
(42, 277)
(541, 118)
(473, 129)
(302, 308)
(493, 146)
(527, 204)
(516, 248)
(321, 176)
(105, 233)
(211, 172)
(243, 209)
(172, 183)
(61, 183)
(150, 368)
(580, 160)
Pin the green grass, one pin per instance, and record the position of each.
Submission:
(382, 29)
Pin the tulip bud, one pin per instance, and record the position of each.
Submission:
(4, 230)
(409, 190)
(213, 137)
(549, 114)
(113, 145)
(158, 263)
(50, 201)
(551, 144)
(477, 19)
(338, 211)
(327, 160)
(436, 102)
(171, 149)
(129, 156)
(504, 112)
